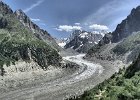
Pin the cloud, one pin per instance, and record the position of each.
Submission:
(98, 27)
(33, 6)
(35, 19)
(77, 23)
(68, 28)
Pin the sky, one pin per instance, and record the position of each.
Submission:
(62, 17)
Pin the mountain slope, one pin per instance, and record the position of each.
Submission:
(130, 46)
(18, 42)
(39, 33)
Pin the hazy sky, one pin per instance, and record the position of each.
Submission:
(61, 17)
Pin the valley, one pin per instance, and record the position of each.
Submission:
(89, 61)
(64, 86)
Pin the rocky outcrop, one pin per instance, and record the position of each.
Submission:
(5, 9)
(128, 26)
(3, 23)
(106, 39)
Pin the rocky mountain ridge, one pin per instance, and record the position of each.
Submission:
(119, 40)
(5, 9)
(128, 26)
(36, 30)
(124, 29)
(82, 41)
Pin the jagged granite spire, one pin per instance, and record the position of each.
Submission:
(128, 26)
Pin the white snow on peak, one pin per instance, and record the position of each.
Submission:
(83, 35)
(72, 47)
(103, 34)
(62, 44)
(95, 32)
(100, 32)
(81, 45)
(95, 42)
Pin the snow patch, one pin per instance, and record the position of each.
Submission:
(62, 44)
(81, 45)
(72, 47)
(83, 35)
(95, 42)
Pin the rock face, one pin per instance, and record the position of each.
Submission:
(106, 39)
(3, 22)
(82, 41)
(5, 9)
(39, 33)
(128, 26)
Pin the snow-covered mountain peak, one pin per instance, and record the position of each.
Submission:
(81, 41)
